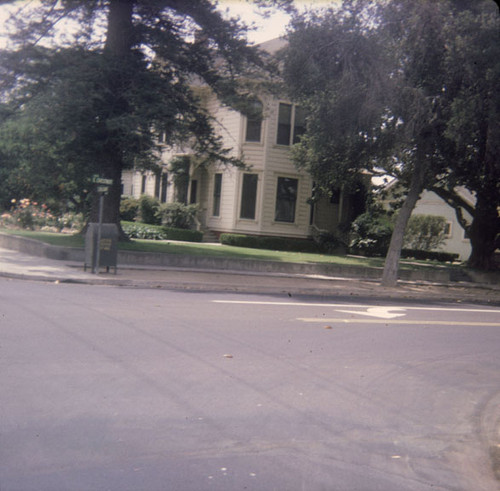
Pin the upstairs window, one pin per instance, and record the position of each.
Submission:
(284, 124)
(254, 122)
(291, 124)
(299, 123)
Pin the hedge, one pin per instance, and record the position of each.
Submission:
(432, 255)
(183, 234)
(137, 230)
(272, 243)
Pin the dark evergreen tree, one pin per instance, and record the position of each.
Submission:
(129, 70)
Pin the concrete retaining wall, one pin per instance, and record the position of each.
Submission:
(40, 249)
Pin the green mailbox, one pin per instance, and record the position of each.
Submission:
(101, 246)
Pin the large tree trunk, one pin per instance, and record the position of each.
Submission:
(483, 235)
(391, 266)
(119, 41)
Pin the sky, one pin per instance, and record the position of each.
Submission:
(267, 28)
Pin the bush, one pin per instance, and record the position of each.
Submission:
(148, 210)
(329, 242)
(444, 257)
(177, 215)
(183, 234)
(29, 215)
(137, 230)
(129, 209)
(371, 234)
(144, 231)
(272, 243)
(424, 232)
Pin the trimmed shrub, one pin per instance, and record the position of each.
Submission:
(148, 210)
(143, 231)
(177, 215)
(272, 243)
(129, 208)
(183, 234)
(444, 257)
(371, 234)
(329, 242)
(137, 230)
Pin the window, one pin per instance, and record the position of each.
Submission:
(290, 117)
(193, 192)
(217, 194)
(299, 125)
(249, 196)
(286, 199)
(164, 184)
(143, 184)
(254, 122)
(284, 124)
(447, 229)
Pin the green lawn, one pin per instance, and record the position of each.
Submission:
(200, 249)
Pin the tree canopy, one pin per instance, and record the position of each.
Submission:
(128, 72)
(385, 90)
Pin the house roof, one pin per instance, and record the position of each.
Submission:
(274, 45)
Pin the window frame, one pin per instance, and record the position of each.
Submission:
(244, 190)
(291, 131)
(255, 123)
(283, 201)
(217, 194)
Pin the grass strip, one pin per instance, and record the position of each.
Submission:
(201, 249)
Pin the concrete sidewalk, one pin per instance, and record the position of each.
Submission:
(18, 265)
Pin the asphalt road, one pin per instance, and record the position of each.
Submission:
(106, 388)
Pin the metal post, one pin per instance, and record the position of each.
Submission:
(99, 232)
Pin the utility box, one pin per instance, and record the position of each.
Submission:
(105, 253)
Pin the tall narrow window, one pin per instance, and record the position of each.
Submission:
(249, 196)
(143, 184)
(254, 122)
(164, 184)
(286, 199)
(284, 124)
(193, 192)
(217, 194)
(299, 124)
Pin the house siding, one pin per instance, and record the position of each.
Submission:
(431, 204)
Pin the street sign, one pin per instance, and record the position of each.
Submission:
(102, 189)
(102, 180)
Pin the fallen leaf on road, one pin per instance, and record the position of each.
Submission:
(228, 356)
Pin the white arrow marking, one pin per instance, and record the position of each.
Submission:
(381, 312)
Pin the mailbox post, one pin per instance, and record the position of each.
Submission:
(101, 240)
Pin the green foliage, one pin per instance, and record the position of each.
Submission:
(444, 257)
(136, 230)
(424, 232)
(329, 243)
(129, 208)
(271, 243)
(30, 215)
(149, 207)
(96, 104)
(177, 215)
(371, 234)
(183, 234)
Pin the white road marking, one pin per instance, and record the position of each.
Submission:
(406, 322)
(382, 312)
(356, 306)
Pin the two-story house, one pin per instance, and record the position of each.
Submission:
(272, 197)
